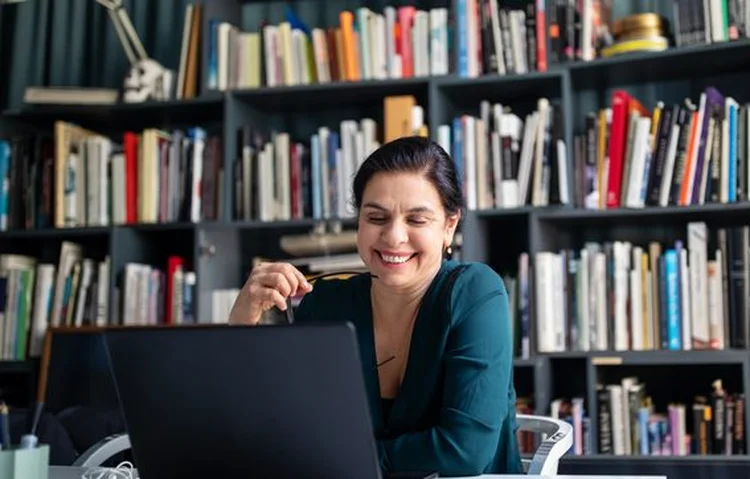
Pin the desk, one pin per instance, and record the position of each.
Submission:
(64, 472)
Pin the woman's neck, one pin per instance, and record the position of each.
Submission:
(391, 304)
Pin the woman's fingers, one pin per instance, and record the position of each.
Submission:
(269, 285)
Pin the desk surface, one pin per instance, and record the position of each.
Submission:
(64, 472)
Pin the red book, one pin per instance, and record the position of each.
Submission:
(130, 142)
(622, 105)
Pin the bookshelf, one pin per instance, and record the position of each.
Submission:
(220, 250)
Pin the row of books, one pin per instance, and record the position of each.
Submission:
(36, 294)
(76, 177)
(399, 42)
(494, 38)
(149, 295)
(630, 156)
(279, 177)
(406, 41)
(505, 161)
(627, 157)
(625, 296)
(696, 22)
(629, 423)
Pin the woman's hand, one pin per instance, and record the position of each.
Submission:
(269, 285)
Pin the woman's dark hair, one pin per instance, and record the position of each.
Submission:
(413, 154)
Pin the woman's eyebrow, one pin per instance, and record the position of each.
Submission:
(416, 209)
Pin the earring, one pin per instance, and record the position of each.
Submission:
(449, 250)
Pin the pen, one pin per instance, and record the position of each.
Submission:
(289, 313)
(30, 440)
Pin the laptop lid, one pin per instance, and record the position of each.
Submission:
(242, 401)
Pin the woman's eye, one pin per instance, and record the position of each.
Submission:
(418, 221)
(377, 219)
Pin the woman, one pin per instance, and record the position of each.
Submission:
(436, 347)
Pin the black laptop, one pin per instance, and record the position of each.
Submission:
(242, 401)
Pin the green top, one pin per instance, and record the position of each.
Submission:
(455, 411)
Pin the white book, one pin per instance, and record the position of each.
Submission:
(602, 303)
(697, 233)
(621, 273)
(526, 160)
(584, 331)
(545, 306)
(470, 161)
(685, 303)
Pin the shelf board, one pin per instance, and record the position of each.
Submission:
(14, 366)
(501, 87)
(324, 95)
(210, 107)
(671, 64)
(283, 224)
(519, 211)
(524, 362)
(62, 233)
(667, 358)
(164, 227)
(650, 358)
(673, 214)
(89, 231)
(691, 458)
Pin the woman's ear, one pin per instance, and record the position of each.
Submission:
(450, 227)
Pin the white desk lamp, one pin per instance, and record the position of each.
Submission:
(147, 79)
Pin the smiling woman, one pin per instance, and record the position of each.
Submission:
(434, 334)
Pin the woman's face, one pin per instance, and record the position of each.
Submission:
(403, 229)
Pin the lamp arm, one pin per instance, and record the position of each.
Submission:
(127, 35)
(146, 78)
(123, 39)
(132, 34)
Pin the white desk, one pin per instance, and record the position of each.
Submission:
(63, 472)
(521, 476)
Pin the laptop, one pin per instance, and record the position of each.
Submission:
(225, 401)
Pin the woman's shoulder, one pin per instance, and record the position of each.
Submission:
(472, 279)
(471, 285)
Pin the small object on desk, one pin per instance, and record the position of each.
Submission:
(124, 470)
(29, 441)
(32, 463)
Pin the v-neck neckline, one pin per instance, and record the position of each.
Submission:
(415, 344)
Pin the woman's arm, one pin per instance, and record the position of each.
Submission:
(478, 361)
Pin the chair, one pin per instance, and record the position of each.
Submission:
(544, 462)
(557, 439)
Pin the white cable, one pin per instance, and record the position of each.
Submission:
(124, 470)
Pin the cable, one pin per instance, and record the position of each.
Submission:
(124, 470)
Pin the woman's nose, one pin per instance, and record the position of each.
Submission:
(395, 233)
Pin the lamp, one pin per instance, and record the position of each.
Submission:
(147, 79)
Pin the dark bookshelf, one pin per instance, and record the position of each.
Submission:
(221, 251)
(668, 65)
(333, 94)
(205, 110)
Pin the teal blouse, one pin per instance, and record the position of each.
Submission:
(455, 411)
